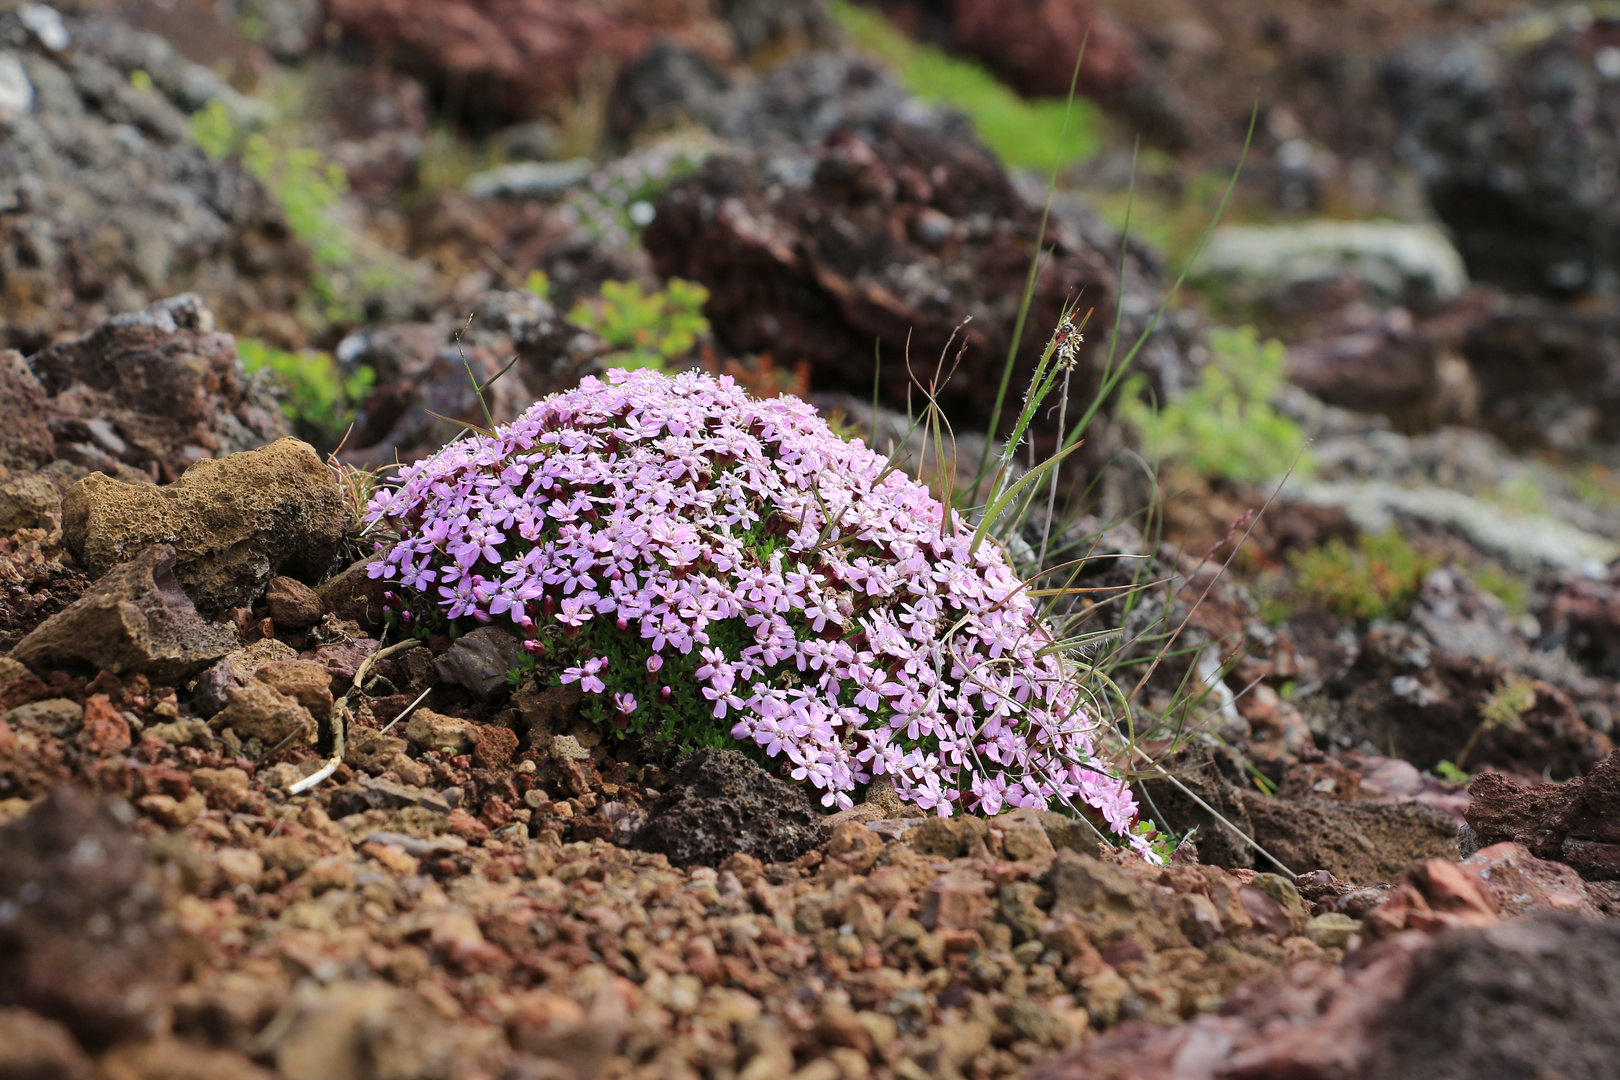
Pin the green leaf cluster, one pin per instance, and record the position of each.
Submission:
(1376, 579)
(1225, 426)
(1023, 133)
(647, 330)
(316, 395)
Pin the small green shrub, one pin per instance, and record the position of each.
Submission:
(1376, 579)
(1023, 133)
(1514, 592)
(647, 329)
(214, 130)
(1225, 426)
(307, 186)
(316, 395)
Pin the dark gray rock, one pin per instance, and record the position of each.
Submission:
(150, 392)
(135, 618)
(1537, 996)
(84, 940)
(1512, 129)
(480, 660)
(106, 203)
(720, 803)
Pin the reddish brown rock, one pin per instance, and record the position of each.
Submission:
(493, 745)
(25, 440)
(150, 392)
(85, 943)
(33, 1048)
(293, 605)
(105, 731)
(1518, 882)
(817, 274)
(1576, 822)
(1033, 44)
(515, 59)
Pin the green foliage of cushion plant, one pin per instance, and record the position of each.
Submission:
(1225, 426)
(307, 186)
(316, 395)
(1376, 579)
(1023, 133)
(647, 329)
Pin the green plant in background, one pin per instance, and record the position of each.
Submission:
(647, 329)
(1450, 771)
(214, 129)
(539, 283)
(1376, 579)
(1514, 592)
(316, 395)
(1023, 133)
(1225, 426)
(1513, 697)
(307, 186)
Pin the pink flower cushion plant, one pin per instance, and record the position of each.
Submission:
(714, 567)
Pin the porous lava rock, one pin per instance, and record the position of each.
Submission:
(1033, 45)
(1531, 997)
(135, 618)
(514, 59)
(25, 440)
(1576, 822)
(233, 522)
(1407, 693)
(109, 204)
(152, 391)
(1503, 127)
(720, 803)
(897, 235)
(84, 941)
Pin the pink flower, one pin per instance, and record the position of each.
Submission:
(839, 622)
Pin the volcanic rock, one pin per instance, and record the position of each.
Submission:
(1501, 127)
(423, 369)
(514, 59)
(135, 618)
(152, 391)
(25, 441)
(816, 271)
(84, 942)
(293, 605)
(109, 203)
(480, 660)
(34, 1048)
(234, 522)
(1535, 996)
(720, 803)
(1576, 822)
(234, 670)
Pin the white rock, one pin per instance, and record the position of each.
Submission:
(1396, 260)
(16, 92)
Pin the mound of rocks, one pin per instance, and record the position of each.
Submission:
(1504, 126)
(105, 201)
